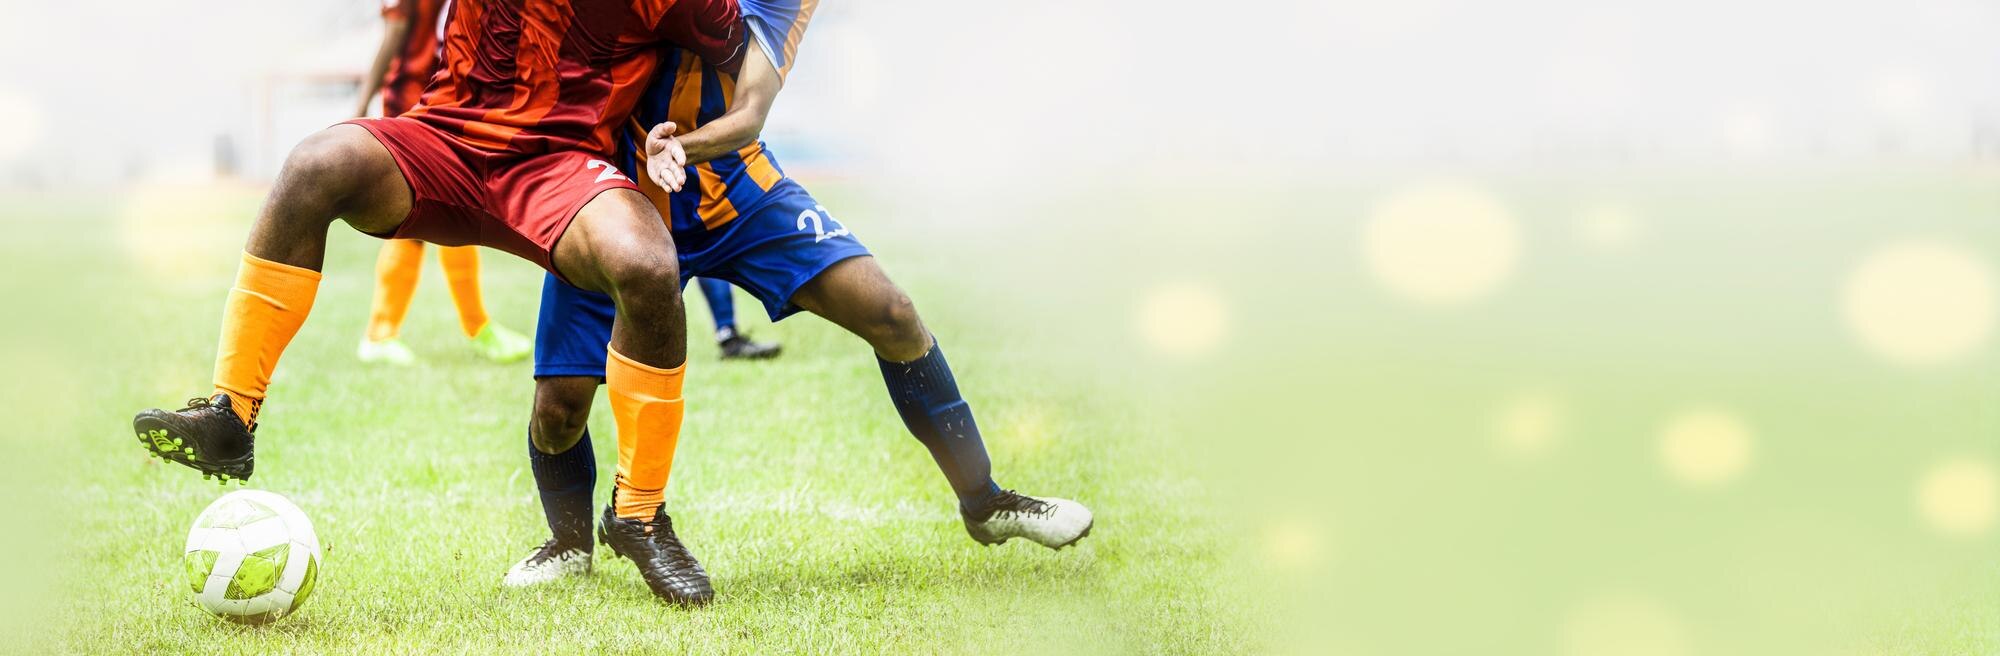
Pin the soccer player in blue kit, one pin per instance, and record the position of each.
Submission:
(736, 217)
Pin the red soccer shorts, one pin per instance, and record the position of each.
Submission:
(460, 195)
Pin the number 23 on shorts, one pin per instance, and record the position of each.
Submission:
(819, 217)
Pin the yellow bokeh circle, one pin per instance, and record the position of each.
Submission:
(1441, 244)
(1921, 303)
(1706, 448)
(1183, 319)
(1529, 424)
(1961, 497)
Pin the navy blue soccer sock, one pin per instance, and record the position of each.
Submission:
(720, 303)
(565, 481)
(927, 397)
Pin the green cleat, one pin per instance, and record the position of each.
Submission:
(495, 342)
(389, 351)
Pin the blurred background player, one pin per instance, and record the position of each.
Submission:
(736, 217)
(403, 66)
(734, 344)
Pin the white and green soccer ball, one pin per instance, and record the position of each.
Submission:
(251, 557)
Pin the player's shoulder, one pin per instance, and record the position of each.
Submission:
(778, 16)
(776, 26)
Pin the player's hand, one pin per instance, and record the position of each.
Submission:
(666, 160)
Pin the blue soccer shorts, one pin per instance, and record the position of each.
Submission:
(771, 252)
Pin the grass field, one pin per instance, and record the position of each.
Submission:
(826, 526)
(1284, 451)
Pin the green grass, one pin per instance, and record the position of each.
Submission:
(1326, 479)
(826, 526)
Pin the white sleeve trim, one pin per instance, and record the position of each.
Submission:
(764, 42)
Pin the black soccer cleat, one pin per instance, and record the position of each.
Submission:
(206, 435)
(663, 561)
(736, 346)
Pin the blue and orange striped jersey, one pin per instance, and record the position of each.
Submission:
(691, 92)
(778, 26)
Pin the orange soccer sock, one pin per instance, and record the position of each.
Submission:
(265, 309)
(647, 403)
(461, 273)
(396, 271)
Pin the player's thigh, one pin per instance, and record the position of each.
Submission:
(617, 240)
(856, 294)
(349, 172)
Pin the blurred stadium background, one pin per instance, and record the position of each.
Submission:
(1175, 90)
(1534, 327)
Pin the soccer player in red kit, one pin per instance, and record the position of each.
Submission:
(508, 149)
(402, 67)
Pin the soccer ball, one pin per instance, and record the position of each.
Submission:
(251, 557)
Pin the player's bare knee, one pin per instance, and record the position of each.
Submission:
(896, 328)
(325, 165)
(652, 273)
(554, 432)
(559, 420)
(319, 158)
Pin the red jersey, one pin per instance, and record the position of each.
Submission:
(404, 82)
(539, 76)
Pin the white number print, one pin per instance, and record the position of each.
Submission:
(819, 219)
(610, 172)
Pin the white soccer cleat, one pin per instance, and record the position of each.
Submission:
(548, 564)
(1050, 522)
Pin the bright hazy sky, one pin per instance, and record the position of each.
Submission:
(104, 91)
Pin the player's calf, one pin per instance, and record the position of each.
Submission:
(619, 245)
(565, 470)
(341, 171)
(562, 458)
(856, 295)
